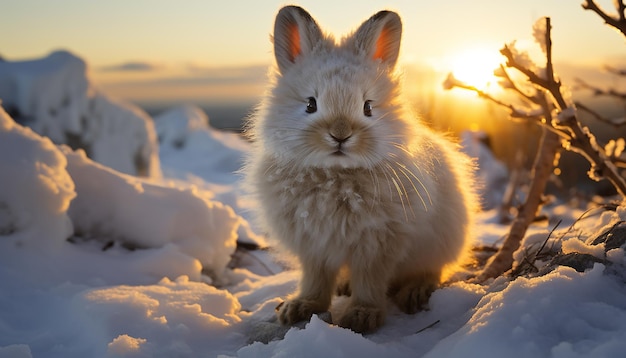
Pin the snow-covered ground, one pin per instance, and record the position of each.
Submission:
(97, 263)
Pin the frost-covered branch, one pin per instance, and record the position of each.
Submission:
(558, 116)
(618, 22)
(582, 140)
(514, 112)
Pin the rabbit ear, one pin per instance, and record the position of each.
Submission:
(295, 33)
(379, 37)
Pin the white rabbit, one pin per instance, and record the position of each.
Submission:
(347, 181)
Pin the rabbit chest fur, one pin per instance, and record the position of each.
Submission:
(349, 214)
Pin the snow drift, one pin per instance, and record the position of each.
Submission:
(54, 97)
(36, 187)
(200, 228)
(49, 194)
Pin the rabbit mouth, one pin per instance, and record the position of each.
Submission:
(340, 144)
(340, 148)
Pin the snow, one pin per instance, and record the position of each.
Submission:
(151, 267)
(562, 314)
(36, 187)
(539, 33)
(201, 228)
(55, 98)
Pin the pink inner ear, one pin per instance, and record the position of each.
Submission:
(381, 45)
(294, 42)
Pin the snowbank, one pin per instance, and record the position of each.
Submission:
(53, 96)
(563, 314)
(49, 194)
(113, 206)
(36, 188)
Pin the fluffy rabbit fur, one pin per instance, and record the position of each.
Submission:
(370, 200)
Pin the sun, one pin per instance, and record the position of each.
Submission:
(475, 67)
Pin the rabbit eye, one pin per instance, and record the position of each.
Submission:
(367, 108)
(311, 106)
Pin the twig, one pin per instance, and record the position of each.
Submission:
(599, 117)
(546, 240)
(539, 116)
(615, 71)
(429, 326)
(600, 91)
(618, 23)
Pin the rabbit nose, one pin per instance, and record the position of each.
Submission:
(341, 139)
(340, 131)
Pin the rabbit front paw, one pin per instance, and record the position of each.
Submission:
(297, 310)
(362, 319)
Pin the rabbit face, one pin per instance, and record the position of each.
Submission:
(334, 105)
(339, 114)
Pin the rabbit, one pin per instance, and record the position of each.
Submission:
(368, 199)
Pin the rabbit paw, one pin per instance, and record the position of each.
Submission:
(362, 319)
(413, 298)
(297, 310)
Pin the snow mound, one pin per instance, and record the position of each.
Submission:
(49, 194)
(562, 314)
(194, 152)
(162, 320)
(134, 211)
(53, 96)
(319, 339)
(36, 188)
(209, 153)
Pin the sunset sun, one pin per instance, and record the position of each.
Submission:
(475, 67)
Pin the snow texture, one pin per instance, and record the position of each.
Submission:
(144, 272)
(539, 33)
(54, 97)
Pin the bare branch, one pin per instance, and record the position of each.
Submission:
(542, 168)
(612, 122)
(615, 71)
(597, 91)
(514, 112)
(618, 23)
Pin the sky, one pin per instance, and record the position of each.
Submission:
(219, 52)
